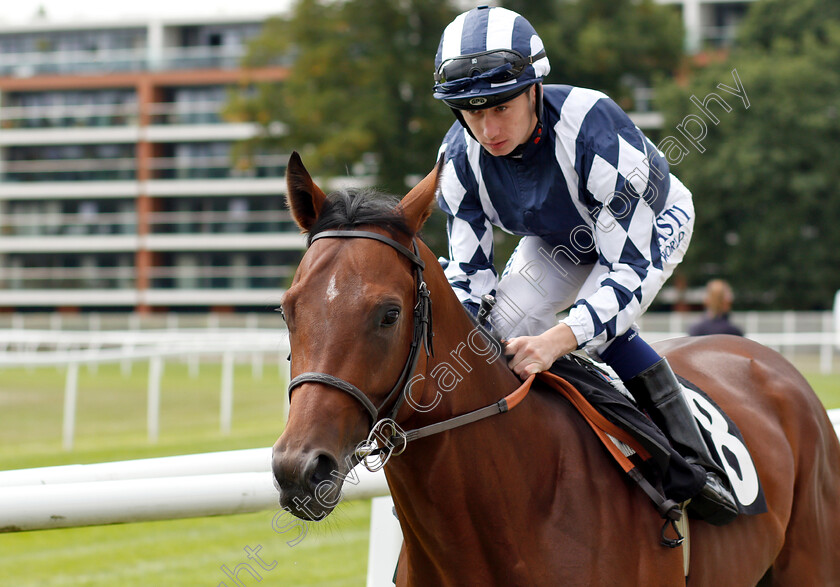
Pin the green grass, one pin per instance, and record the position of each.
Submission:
(111, 413)
(827, 387)
(111, 425)
(191, 552)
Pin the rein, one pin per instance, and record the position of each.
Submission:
(385, 435)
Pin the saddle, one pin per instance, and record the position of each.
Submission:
(642, 450)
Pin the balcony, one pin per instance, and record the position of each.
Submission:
(186, 112)
(125, 168)
(100, 61)
(226, 222)
(69, 116)
(58, 224)
(181, 277)
(86, 116)
(164, 223)
(72, 62)
(233, 277)
(101, 169)
(46, 278)
(200, 57)
(719, 37)
(218, 167)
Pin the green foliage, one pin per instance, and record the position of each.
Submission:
(358, 92)
(608, 45)
(771, 20)
(765, 187)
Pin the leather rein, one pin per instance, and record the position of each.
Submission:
(385, 436)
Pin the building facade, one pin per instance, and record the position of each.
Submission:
(117, 185)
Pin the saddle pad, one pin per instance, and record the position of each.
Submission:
(728, 448)
(666, 466)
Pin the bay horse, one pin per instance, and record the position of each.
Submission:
(527, 497)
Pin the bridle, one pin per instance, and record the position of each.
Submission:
(422, 332)
(385, 436)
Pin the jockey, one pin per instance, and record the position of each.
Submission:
(603, 221)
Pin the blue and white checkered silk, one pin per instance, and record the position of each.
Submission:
(594, 186)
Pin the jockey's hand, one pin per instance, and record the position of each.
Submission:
(533, 354)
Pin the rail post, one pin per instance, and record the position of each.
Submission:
(153, 398)
(71, 386)
(226, 407)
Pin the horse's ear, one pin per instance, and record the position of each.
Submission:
(303, 197)
(417, 204)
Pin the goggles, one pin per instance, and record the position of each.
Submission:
(496, 66)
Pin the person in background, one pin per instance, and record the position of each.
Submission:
(718, 303)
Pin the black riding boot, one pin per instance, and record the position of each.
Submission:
(660, 393)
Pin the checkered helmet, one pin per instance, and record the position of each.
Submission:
(487, 56)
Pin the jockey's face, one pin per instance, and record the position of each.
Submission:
(502, 128)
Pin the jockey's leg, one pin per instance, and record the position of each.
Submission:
(532, 289)
(656, 388)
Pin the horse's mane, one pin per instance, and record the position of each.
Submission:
(351, 208)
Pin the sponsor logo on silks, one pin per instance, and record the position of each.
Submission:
(478, 101)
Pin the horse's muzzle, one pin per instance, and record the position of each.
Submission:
(309, 482)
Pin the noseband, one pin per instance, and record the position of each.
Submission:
(422, 332)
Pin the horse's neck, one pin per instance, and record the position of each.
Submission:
(463, 485)
(467, 373)
(468, 370)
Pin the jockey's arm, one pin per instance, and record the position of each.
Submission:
(533, 354)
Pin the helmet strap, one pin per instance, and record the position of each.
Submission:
(463, 122)
(538, 103)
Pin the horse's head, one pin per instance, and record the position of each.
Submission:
(350, 314)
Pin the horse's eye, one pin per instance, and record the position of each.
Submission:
(390, 318)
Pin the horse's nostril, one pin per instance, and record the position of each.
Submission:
(320, 469)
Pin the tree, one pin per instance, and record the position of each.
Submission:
(770, 21)
(613, 46)
(765, 185)
(359, 88)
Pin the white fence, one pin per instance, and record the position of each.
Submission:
(230, 482)
(794, 334)
(166, 488)
(169, 488)
(39, 348)
(814, 333)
